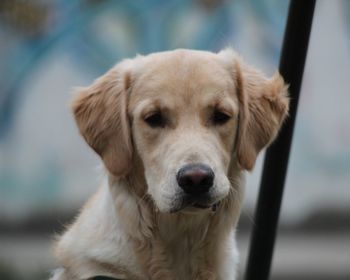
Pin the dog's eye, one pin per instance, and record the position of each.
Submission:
(155, 120)
(220, 118)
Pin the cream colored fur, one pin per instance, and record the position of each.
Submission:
(137, 225)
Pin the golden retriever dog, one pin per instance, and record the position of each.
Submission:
(175, 130)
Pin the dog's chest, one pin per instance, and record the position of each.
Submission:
(184, 256)
(184, 240)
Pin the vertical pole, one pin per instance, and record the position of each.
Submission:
(293, 55)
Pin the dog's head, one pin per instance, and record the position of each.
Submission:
(186, 115)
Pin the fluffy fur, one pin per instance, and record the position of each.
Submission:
(138, 225)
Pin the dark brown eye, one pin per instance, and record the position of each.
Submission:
(220, 118)
(155, 120)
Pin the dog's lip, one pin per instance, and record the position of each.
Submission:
(196, 207)
(213, 206)
(196, 203)
(201, 206)
(199, 203)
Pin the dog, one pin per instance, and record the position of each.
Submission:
(176, 131)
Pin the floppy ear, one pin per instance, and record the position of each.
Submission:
(100, 112)
(263, 107)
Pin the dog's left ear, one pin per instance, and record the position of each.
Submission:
(263, 105)
(100, 112)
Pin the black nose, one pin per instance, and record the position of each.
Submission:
(195, 178)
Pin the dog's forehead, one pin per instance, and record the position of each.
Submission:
(182, 73)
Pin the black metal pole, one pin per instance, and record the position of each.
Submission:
(295, 44)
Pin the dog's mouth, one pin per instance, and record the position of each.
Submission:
(196, 204)
(202, 206)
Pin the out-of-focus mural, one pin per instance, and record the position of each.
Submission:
(49, 47)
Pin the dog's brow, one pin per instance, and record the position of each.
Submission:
(220, 99)
(150, 105)
(213, 92)
(228, 105)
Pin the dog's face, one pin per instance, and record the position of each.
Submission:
(184, 111)
(186, 115)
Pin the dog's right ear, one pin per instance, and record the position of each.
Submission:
(100, 112)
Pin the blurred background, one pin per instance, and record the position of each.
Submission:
(47, 171)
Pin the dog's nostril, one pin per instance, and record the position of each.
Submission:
(195, 178)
